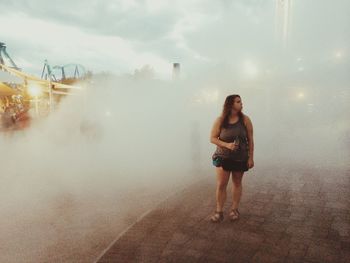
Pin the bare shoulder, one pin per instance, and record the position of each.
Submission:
(247, 120)
(215, 131)
(218, 120)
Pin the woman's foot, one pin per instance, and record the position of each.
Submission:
(217, 217)
(234, 214)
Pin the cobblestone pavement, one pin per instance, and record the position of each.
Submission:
(287, 215)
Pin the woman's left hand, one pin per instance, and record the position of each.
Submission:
(250, 163)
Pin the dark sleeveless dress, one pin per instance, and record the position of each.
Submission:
(232, 160)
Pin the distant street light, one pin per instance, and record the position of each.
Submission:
(250, 69)
(301, 95)
(339, 54)
(34, 90)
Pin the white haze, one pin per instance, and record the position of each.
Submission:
(129, 143)
(111, 153)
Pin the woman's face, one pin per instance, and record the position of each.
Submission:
(237, 105)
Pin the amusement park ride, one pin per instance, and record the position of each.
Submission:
(22, 93)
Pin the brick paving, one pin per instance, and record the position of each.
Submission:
(287, 215)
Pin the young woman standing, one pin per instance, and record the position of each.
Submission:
(232, 133)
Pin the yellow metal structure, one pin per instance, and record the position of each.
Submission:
(44, 84)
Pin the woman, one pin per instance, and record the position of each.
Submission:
(232, 132)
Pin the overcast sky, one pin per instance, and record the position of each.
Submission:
(121, 35)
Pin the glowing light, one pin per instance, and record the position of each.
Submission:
(250, 69)
(339, 54)
(301, 95)
(301, 69)
(108, 113)
(211, 96)
(34, 90)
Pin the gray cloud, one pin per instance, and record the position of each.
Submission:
(103, 18)
(226, 31)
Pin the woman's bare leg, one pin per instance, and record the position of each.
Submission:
(222, 178)
(236, 188)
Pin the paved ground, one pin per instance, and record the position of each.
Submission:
(55, 223)
(287, 215)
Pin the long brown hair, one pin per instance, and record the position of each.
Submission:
(226, 111)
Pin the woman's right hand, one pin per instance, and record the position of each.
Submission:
(231, 146)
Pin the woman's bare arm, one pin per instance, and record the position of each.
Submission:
(215, 133)
(249, 126)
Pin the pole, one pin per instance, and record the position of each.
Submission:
(50, 96)
(36, 106)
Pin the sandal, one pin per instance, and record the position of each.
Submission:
(234, 214)
(217, 217)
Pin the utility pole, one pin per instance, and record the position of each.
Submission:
(283, 19)
(176, 71)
